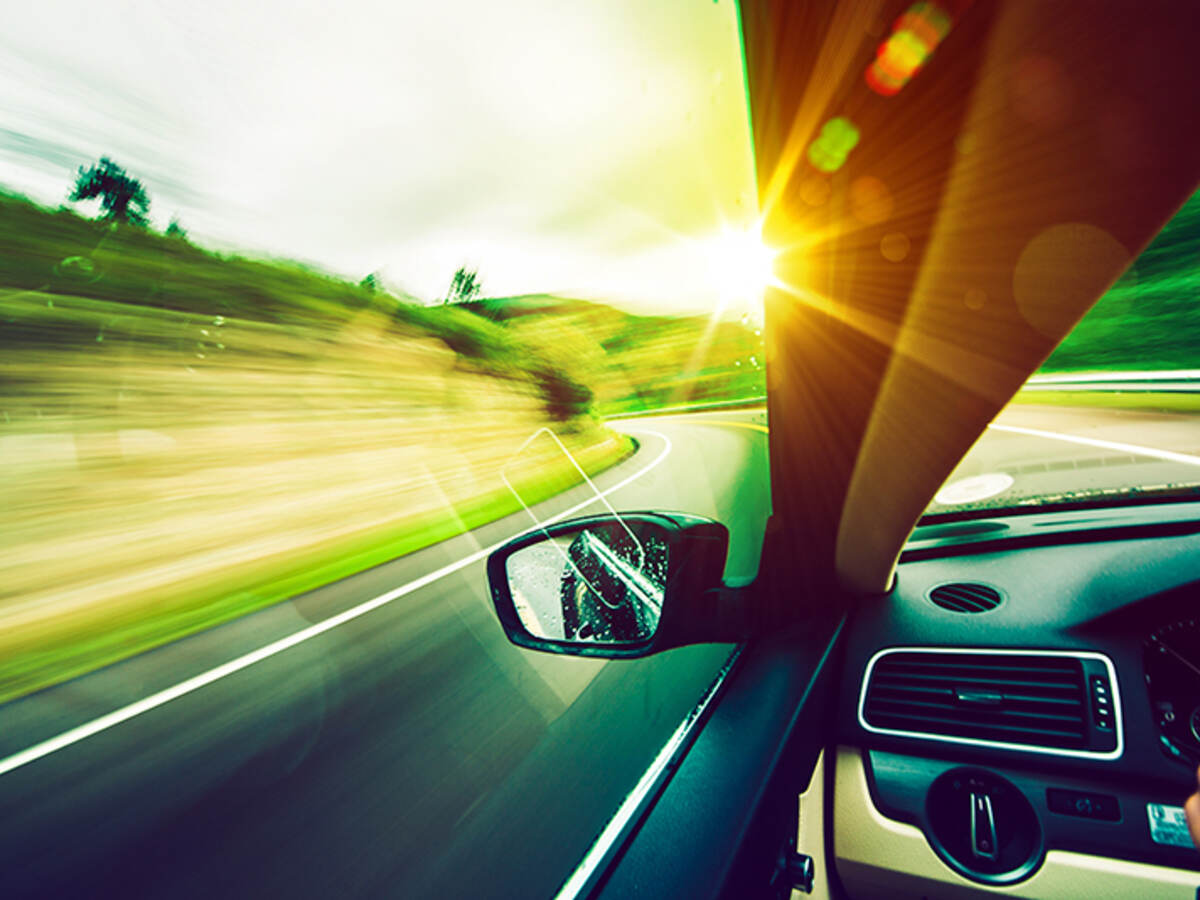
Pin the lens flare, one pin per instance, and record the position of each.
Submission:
(837, 138)
(914, 37)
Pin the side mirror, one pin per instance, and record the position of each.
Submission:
(615, 586)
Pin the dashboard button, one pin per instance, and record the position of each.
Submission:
(1085, 805)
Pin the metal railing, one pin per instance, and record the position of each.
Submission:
(1168, 381)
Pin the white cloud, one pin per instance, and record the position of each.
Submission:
(556, 146)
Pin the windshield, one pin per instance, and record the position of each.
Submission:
(303, 313)
(1111, 416)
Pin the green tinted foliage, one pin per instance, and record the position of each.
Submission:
(122, 197)
(465, 286)
(61, 253)
(1148, 319)
(633, 362)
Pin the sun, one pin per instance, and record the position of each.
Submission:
(741, 266)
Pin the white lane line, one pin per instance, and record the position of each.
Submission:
(1168, 455)
(753, 426)
(125, 713)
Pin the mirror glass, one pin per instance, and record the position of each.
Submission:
(603, 583)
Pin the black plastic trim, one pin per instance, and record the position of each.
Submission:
(710, 833)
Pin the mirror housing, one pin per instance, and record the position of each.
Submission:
(616, 586)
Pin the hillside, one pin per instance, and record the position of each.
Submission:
(172, 280)
(188, 436)
(1148, 320)
(634, 362)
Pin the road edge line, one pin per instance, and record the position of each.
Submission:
(160, 698)
(1169, 455)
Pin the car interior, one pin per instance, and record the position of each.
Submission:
(953, 704)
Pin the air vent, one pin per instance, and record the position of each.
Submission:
(1020, 699)
(965, 597)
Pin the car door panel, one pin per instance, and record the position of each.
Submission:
(717, 826)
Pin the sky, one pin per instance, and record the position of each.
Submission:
(594, 148)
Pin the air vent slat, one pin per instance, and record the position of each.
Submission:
(1009, 698)
(883, 703)
(981, 681)
(996, 731)
(969, 605)
(954, 665)
(965, 597)
(946, 697)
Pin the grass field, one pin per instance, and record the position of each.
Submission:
(167, 472)
(1148, 319)
(49, 642)
(188, 437)
(1145, 401)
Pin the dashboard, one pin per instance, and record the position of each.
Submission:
(1056, 708)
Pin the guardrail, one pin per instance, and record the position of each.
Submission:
(1167, 381)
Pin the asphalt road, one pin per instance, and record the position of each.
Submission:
(1063, 452)
(399, 746)
(409, 750)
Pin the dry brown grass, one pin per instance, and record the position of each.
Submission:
(159, 482)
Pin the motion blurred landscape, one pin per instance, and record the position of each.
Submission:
(1147, 320)
(188, 436)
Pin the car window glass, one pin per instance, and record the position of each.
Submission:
(303, 311)
(1111, 415)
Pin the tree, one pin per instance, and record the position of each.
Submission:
(175, 230)
(370, 282)
(122, 197)
(465, 286)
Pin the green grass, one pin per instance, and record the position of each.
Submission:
(84, 643)
(60, 253)
(96, 319)
(1148, 320)
(1134, 400)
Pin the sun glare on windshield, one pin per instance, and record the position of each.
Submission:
(741, 264)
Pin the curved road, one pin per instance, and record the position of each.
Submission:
(377, 737)
(380, 736)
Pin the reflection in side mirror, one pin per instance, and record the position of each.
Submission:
(617, 586)
(603, 583)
